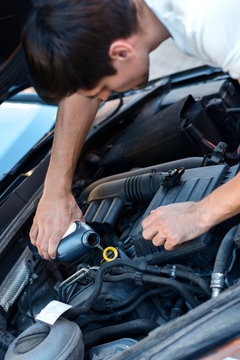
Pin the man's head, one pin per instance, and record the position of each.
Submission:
(74, 45)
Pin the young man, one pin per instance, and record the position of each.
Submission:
(79, 51)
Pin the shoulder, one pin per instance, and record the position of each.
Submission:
(208, 29)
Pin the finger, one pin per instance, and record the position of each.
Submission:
(152, 218)
(39, 240)
(53, 245)
(33, 233)
(169, 246)
(44, 248)
(147, 221)
(46, 240)
(150, 232)
(159, 240)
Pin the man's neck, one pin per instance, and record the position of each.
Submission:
(153, 32)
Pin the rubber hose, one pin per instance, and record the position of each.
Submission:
(113, 332)
(148, 278)
(187, 163)
(157, 280)
(118, 278)
(225, 250)
(83, 309)
(139, 188)
(182, 274)
(189, 276)
(120, 304)
(170, 282)
(194, 278)
(117, 314)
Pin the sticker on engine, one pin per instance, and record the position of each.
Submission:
(52, 312)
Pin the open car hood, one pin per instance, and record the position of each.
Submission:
(176, 140)
(148, 148)
(13, 70)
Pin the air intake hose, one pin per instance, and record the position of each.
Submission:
(107, 199)
(139, 188)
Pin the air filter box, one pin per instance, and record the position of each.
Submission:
(194, 185)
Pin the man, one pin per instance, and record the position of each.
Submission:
(79, 51)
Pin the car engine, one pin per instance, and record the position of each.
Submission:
(118, 285)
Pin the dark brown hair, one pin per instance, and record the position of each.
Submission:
(67, 41)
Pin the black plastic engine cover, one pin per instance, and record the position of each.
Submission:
(194, 185)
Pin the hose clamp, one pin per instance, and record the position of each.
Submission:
(173, 271)
(217, 281)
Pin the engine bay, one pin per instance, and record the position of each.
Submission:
(179, 146)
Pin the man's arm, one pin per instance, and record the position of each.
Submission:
(176, 223)
(57, 208)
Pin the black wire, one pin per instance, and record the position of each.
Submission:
(156, 280)
(117, 278)
(120, 304)
(171, 282)
(120, 96)
(157, 303)
(139, 266)
(180, 271)
(83, 309)
(167, 282)
(194, 278)
(120, 313)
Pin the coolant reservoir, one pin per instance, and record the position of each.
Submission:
(61, 341)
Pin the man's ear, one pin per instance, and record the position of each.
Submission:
(121, 50)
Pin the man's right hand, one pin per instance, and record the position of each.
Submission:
(57, 209)
(53, 217)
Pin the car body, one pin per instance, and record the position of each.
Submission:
(163, 144)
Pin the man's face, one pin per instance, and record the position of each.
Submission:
(132, 75)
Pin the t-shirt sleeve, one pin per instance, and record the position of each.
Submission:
(206, 29)
(211, 32)
(218, 38)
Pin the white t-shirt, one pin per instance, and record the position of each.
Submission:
(206, 29)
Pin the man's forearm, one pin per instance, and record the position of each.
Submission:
(221, 204)
(174, 224)
(74, 118)
(57, 208)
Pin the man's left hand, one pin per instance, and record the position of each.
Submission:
(173, 224)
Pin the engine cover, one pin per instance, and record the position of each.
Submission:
(194, 185)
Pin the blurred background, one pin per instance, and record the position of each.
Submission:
(167, 59)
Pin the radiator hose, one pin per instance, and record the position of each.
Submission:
(223, 256)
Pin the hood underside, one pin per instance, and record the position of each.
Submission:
(13, 70)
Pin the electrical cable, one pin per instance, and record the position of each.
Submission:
(83, 309)
(117, 314)
(120, 304)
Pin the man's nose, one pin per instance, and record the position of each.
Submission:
(104, 94)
